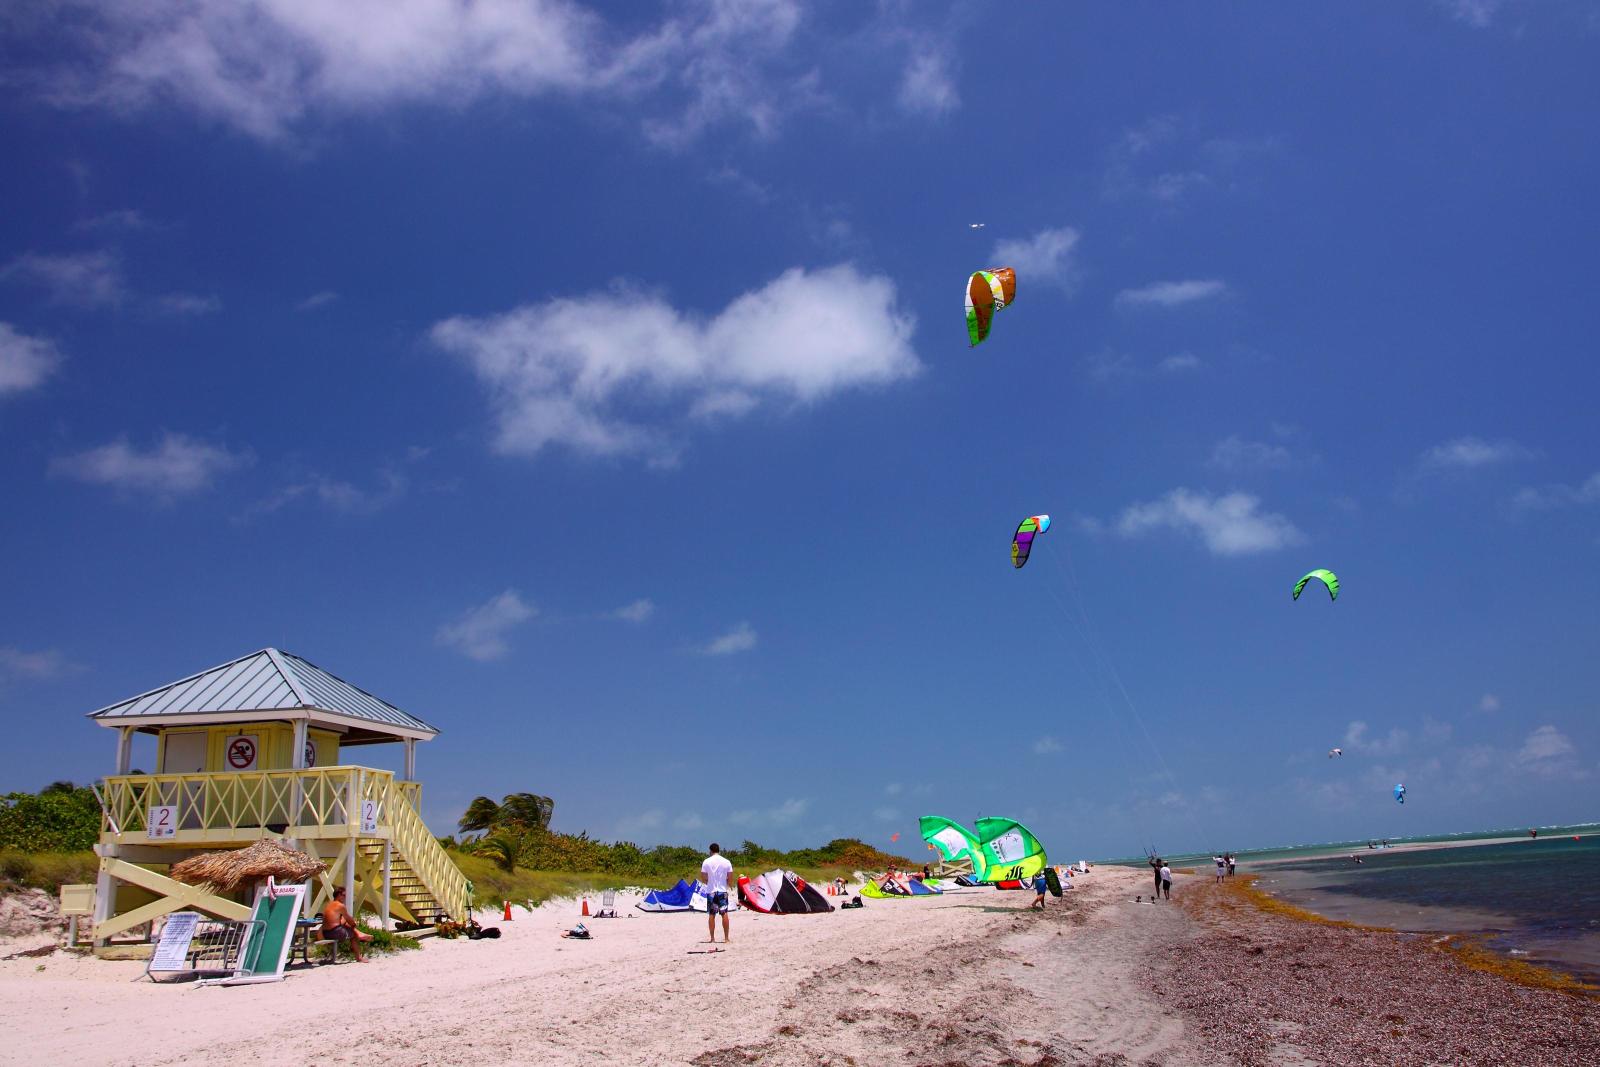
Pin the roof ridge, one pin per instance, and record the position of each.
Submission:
(181, 681)
(283, 668)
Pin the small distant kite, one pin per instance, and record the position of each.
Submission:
(1400, 794)
(988, 291)
(1326, 577)
(975, 225)
(1022, 541)
(894, 837)
(1332, 752)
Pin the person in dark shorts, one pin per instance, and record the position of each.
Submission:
(1040, 884)
(339, 926)
(1155, 869)
(1166, 881)
(717, 873)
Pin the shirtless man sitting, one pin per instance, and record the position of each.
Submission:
(339, 925)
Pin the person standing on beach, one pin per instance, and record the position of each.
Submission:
(1166, 881)
(1039, 886)
(1229, 857)
(1155, 869)
(717, 873)
(1222, 868)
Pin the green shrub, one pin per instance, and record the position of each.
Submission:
(48, 870)
(60, 818)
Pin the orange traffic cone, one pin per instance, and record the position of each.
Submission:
(586, 905)
(507, 917)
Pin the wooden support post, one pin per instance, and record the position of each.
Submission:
(124, 748)
(388, 888)
(411, 759)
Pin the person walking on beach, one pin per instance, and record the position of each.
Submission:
(1229, 857)
(716, 872)
(1155, 869)
(1222, 868)
(1166, 881)
(1039, 887)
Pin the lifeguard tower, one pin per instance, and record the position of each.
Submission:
(256, 748)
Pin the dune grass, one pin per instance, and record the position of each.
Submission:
(47, 870)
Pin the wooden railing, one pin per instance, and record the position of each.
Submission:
(320, 803)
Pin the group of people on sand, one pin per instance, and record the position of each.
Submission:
(1163, 876)
(1224, 864)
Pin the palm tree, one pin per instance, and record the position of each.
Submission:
(482, 814)
(502, 849)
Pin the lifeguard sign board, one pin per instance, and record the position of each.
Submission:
(240, 752)
(163, 821)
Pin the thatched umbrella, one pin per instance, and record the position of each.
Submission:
(227, 871)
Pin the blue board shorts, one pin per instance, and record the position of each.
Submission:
(717, 904)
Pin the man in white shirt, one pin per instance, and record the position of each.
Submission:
(717, 874)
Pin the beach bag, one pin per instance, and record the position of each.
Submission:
(855, 902)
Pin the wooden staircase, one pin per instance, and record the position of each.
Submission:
(406, 886)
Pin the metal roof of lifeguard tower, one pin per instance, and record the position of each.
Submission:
(269, 684)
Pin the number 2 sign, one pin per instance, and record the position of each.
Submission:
(163, 821)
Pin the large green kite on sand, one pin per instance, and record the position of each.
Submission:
(1010, 851)
(954, 842)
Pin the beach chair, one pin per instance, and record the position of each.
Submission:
(608, 905)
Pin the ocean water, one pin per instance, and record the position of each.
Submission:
(1537, 900)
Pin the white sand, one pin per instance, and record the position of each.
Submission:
(967, 978)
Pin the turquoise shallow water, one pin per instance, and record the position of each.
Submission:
(1537, 900)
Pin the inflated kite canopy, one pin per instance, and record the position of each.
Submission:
(1326, 577)
(1332, 752)
(954, 842)
(1022, 543)
(1400, 794)
(1010, 851)
(987, 292)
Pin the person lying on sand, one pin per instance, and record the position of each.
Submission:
(338, 925)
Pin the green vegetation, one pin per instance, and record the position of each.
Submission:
(61, 817)
(564, 865)
(47, 870)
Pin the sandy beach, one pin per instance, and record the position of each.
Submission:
(968, 978)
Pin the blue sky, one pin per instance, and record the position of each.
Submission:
(592, 382)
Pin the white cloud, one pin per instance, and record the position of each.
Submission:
(1229, 525)
(176, 466)
(742, 638)
(1234, 453)
(480, 632)
(638, 611)
(1172, 187)
(1044, 257)
(1475, 13)
(1172, 294)
(688, 820)
(337, 495)
(1548, 497)
(25, 361)
(927, 87)
(317, 300)
(562, 372)
(38, 666)
(87, 279)
(1109, 366)
(1470, 453)
(785, 814)
(1549, 753)
(189, 304)
(267, 67)
(885, 814)
(1181, 362)
(1392, 744)
(123, 219)
(893, 789)
(1490, 703)
(1047, 746)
